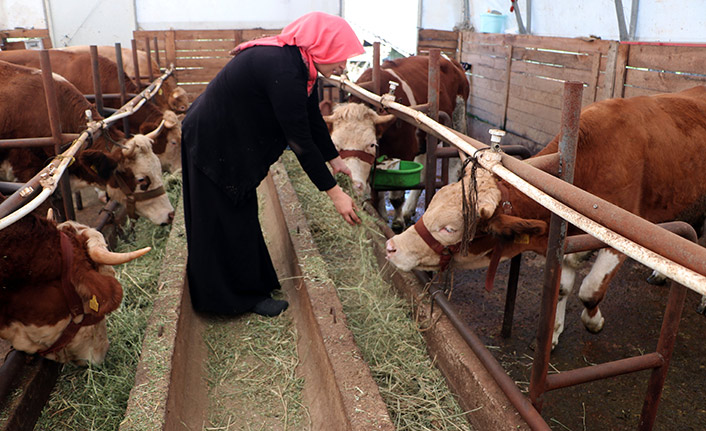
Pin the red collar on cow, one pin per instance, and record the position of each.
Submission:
(445, 252)
(362, 155)
(73, 301)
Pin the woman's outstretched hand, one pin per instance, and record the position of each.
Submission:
(344, 205)
(338, 165)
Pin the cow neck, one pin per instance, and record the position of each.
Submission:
(445, 252)
(131, 197)
(360, 154)
(73, 301)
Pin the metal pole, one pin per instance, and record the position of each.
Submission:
(136, 65)
(121, 82)
(97, 90)
(55, 124)
(433, 113)
(555, 244)
(156, 53)
(149, 59)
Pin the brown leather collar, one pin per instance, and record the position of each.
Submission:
(445, 252)
(132, 197)
(362, 155)
(73, 301)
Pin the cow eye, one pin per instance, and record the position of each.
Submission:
(143, 183)
(449, 229)
(373, 145)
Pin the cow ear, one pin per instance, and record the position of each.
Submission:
(100, 164)
(510, 226)
(100, 293)
(382, 123)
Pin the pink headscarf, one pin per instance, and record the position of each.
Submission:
(321, 38)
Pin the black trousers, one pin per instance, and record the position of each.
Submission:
(228, 267)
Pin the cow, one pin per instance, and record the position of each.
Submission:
(170, 97)
(398, 139)
(76, 68)
(643, 154)
(127, 169)
(58, 286)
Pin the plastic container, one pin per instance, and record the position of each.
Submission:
(408, 175)
(492, 23)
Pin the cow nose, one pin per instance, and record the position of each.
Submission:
(390, 248)
(170, 218)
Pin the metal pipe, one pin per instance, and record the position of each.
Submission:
(55, 125)
(433, 85)
(97, 90)
(121, 82)
(136, 65)
(14, 361)
(603, 371)
(156, 53)
(149, 59)
(36, 142)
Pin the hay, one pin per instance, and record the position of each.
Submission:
(413, 389)
(95, 398)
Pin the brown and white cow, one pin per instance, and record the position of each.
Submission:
(128, 169)
(76, 68)
(644, 154)
(58, 285)
(398, 139)
(171, 96)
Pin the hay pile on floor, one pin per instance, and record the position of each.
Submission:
(95, 398)
(414, 390)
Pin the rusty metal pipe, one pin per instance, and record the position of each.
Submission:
(433, 85)
(36, 142)
(136, 65)
(121, 82)
(603, 371)
(14, 361)
(97, 90)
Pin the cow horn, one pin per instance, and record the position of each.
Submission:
(153, 134)
(50, 214)
(101, 255)
(381, 119)
(328, 119)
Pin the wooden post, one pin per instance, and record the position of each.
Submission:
(621, 64)
(170, 47)
(610, 71)
(595, 73)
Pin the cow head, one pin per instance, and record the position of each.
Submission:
(179, 100)
(355, 129)
(133, 176)
(35, 314)
(482, 229)
(166, 138)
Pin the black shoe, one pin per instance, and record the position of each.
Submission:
(270, 307)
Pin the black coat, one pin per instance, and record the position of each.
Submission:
(249, 113)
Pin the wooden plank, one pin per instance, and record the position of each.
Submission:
(610, 72)
(635, 91)
(560, 73)
(620, 69)
(207, 63)
(170, 47)
(486, 94)
(255, 33)
(469, 47)
(198, 75)
(547, 116)
(532, 120)
(484, 115)
(664, 82)
(582, 61)
(557, 43)
(39, 33)
(595, 73)
(182, 35)
(485, 60)
(506, 84)
(690, 59)
(480, 71)
(202, 45)
(430, 34)
(541, 137)
(441, 44)
(526, 93)
(472, 37)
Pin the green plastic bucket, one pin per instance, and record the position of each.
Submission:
(492, 23)
(408, 175)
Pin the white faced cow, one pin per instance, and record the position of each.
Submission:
(644, 154)
(397, 139)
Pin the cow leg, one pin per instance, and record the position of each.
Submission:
(409, 208)
(595, 285)
(397, 200)
(568, 276)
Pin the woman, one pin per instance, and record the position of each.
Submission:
(263, 100)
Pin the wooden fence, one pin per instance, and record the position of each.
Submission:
(517, 80)
(197, 55)
(23, 34)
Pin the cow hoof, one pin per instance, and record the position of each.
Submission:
(398, 226)
(593, 324)
(701, 309)
(656, 279)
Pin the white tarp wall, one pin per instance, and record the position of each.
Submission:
(104, 22)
